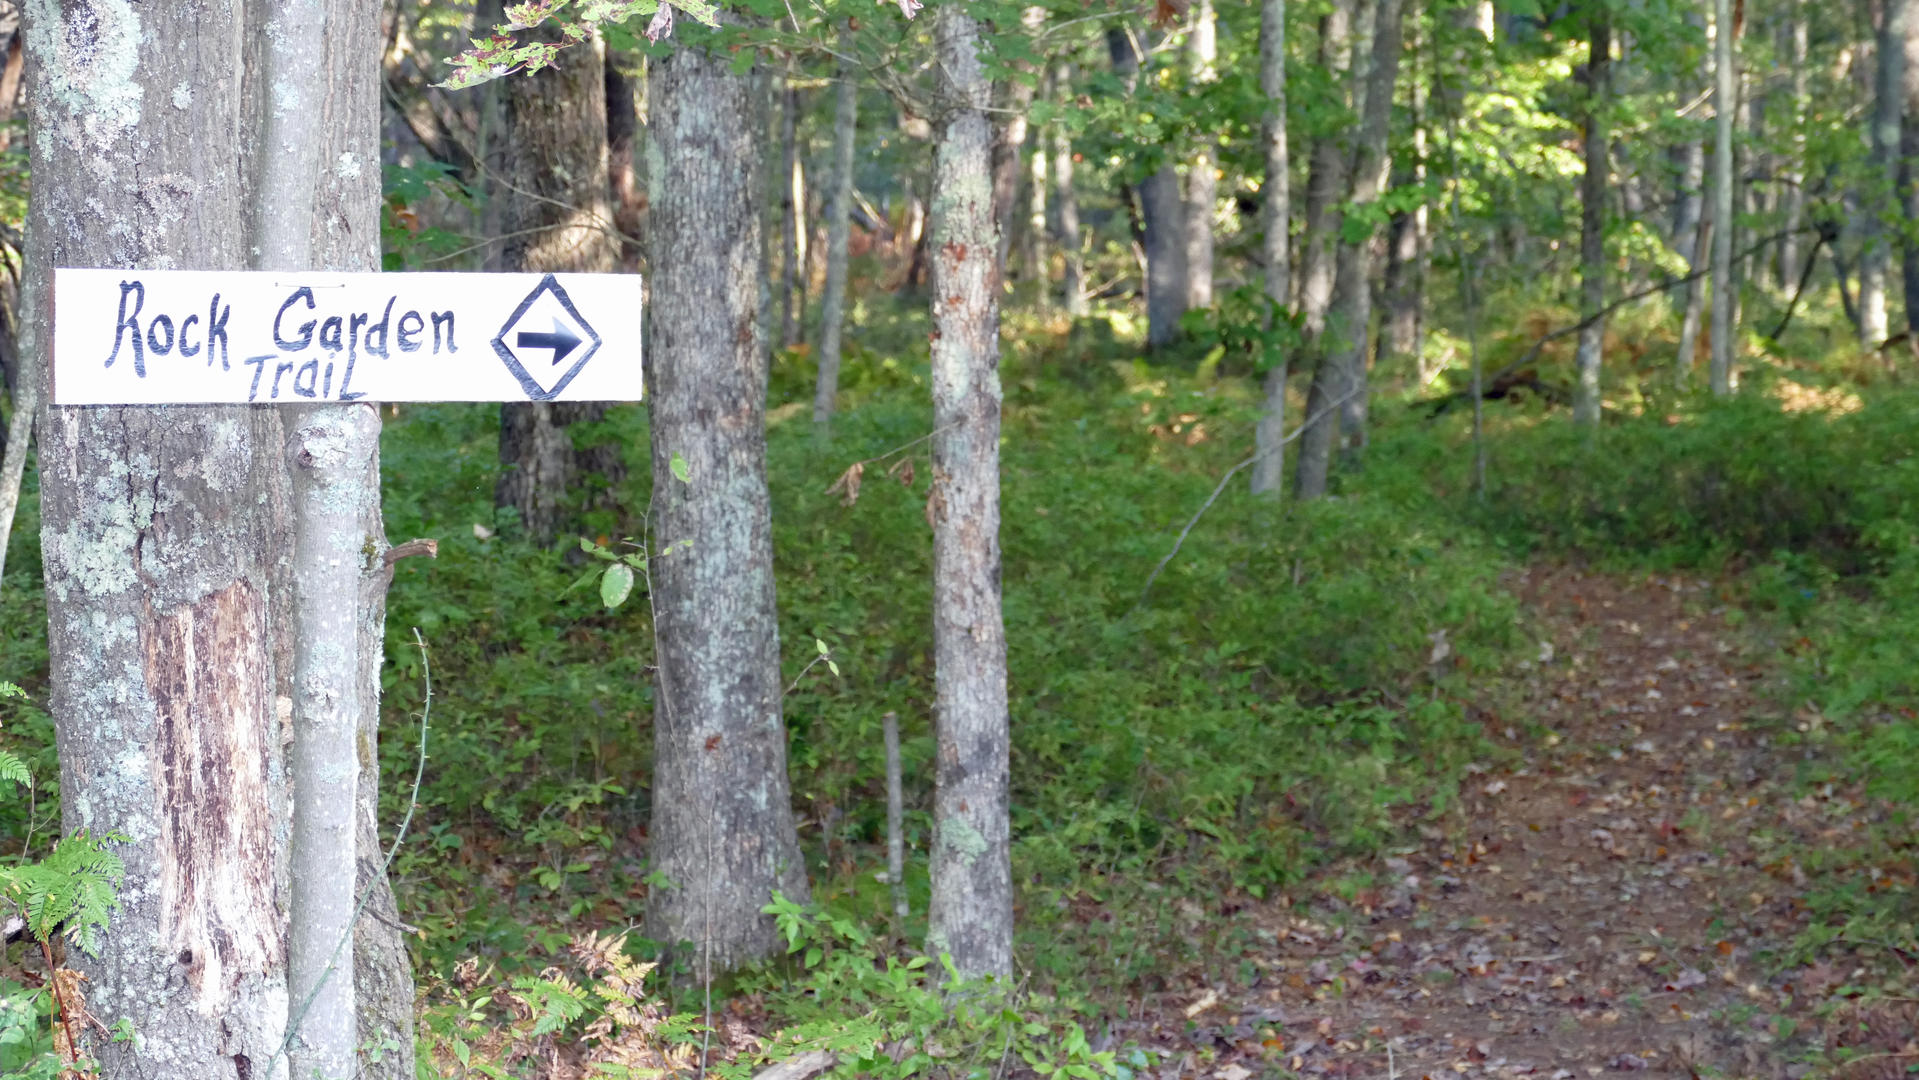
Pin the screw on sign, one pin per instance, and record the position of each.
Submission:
(159, 337)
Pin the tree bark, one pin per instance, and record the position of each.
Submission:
(1326, 180)
(1033, 254)
(1695, 301)
(320, 141)
(623, 182)
(839, 210)
(792, 222)
(1797, 41)
(1072, 286)
(13, 461)
(163, 533)
(1908, 170)
(1876, 232)
(1014, 98)
(1162, 218)
(557, 216)
(971, 916)
(1276, 220)
(722, 829)
(1592, 216)
(1341, 378)
(1202, 185)
(1725, 89)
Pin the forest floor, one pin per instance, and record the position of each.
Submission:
(1625, 894)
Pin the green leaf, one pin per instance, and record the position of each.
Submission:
(680, 471)
(834, 668)
(616, 585)
(821, 646)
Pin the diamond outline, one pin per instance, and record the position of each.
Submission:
(534, 391)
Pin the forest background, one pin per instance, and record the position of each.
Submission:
(1263, 493)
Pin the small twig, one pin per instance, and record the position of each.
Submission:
(902, 447)
(1224, 480)
(817, 660)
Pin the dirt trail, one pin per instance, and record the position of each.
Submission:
(1614, 904)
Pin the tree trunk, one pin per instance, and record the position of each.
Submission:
(1341, 377)
(1724, 90)
(1033, 254)
(1202, 185)
(722, 829)
(1797, 40)
(1327, 182)
(1875, 253)
(556, 215)
(971, 917)
(1592, 217)
(1695, 301)
(163, 533)
(1403, 288)
(320, 139)
(1276, 220)
(1072, 286)
(1908, 171)
(1014, 97)
(623, 182)
(1162, 218)
(838, 218)
(13, 461)
(792, 221)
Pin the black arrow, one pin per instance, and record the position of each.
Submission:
(562, 341)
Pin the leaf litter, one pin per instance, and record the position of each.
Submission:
(1620, 897)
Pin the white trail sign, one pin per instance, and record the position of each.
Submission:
(163, 337)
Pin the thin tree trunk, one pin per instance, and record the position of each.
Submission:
(1014, 100)
(1033, 254)
(556, 215)
(1725, 88)
(13, 462)
(1072, 286)
(1695, 302)
(839, 208)
(971, 917)
(1327, 183)
(1797, 39)
(1875, 254)
(1276, 220)
(722, 829)
(1908, 170)
(323, 120)
(1202, 185)
(622, 177)
(163, 531)
(792, 221)
(1340, 379)
(1162, 217)
(1592, 217)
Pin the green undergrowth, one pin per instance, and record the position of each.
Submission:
(1268, 706)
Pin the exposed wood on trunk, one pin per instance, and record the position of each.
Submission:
(722, 832)
(971, 915)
